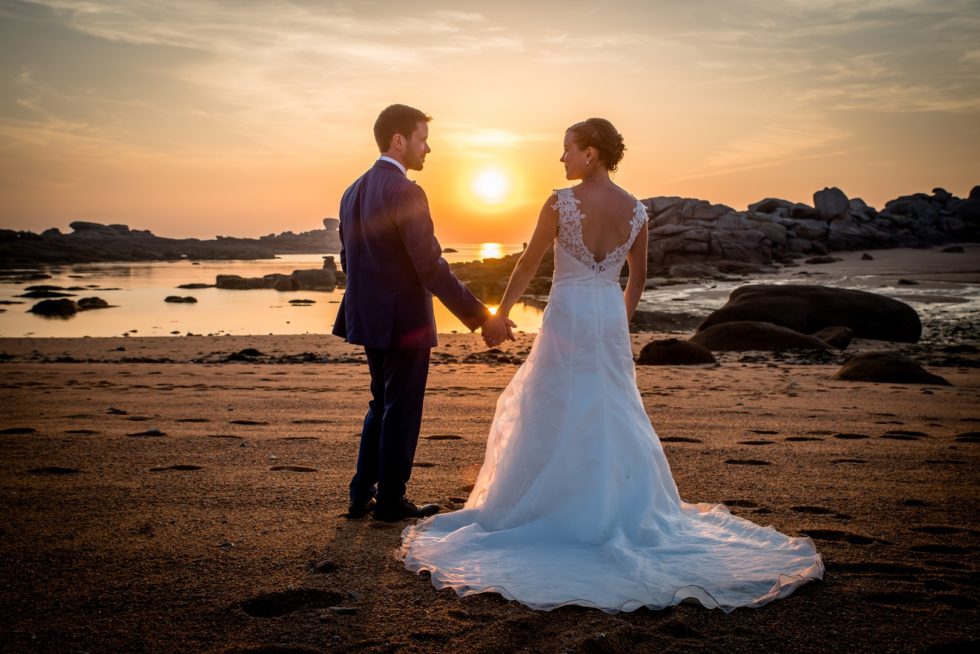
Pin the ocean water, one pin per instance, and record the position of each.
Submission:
(947, 291)
(137, 292)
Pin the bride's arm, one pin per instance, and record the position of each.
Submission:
(527, 265)
(637, 259)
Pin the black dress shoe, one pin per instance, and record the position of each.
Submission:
(360, 509)
(404, 509)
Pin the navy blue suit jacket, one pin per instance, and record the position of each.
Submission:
(394, 265)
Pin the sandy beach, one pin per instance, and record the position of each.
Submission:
(174, 494)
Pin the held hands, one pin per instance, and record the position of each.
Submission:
(497, 329)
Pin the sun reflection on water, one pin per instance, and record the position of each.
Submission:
(491, 250)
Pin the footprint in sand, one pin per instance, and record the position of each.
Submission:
(896, 598)
(851, 437)
(839, 536)
(878, 568)
(801, 439)
(139, 418)
(756, 442)
(312, 421)
(193, 420)
(247, 422)
(299, 438)
(148, 433)
(747, 462)
(178, 466)
(938, 529)
(819, 432)
(747, 504)
(231, 436)
(83, 432)
(819, 510)
(113, 411)
(914, 502)
(293, 469)
(848, 461)
(18, 430)
(936, 548)
(763, 431)
(904, 435)
(444, 437)
(274, 605)
(423, 464)
(968, 437)
(679, 439)
(53, 470)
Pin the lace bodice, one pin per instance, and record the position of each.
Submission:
(572, 248)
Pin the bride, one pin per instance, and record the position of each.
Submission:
(575, 502)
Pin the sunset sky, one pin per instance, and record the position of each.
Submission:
(202, 117)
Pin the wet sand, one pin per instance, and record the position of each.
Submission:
(161, 497)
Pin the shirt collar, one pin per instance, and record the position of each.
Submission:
(394, 161)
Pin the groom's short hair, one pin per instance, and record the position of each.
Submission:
(397, 119)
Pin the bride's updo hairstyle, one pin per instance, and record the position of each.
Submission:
(600, 134)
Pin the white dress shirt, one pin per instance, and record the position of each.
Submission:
(394, 161)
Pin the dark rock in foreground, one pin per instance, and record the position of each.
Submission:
(741, 336)
(888, 367)
(176, 299)
(55, 308)
(837, 336)
(809, 308)
(674, 352)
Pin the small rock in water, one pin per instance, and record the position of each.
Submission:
(180, 300)
(867, 257)
(907, 282)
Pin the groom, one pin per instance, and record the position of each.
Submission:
(394, 266)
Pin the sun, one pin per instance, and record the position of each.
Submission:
(491, 185)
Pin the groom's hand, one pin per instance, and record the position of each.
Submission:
(496, 330)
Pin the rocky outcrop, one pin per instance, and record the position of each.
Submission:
(809, 308)
(91, 242)
(741, 336)
(177, 299)
(887, 367)
(674, 352)
(311, 279)
(692, 231)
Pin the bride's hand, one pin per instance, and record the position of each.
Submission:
(497, 329)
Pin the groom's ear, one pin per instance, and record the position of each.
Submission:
(398, 141)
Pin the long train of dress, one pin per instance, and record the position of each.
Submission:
(575, 502)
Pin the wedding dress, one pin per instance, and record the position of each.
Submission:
(575, 502)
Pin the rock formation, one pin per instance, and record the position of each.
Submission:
(888, 367)
(688, 230)
(808, 309)
(91, 242)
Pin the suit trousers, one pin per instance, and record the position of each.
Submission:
(391, 427)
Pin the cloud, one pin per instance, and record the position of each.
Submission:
(770, 146)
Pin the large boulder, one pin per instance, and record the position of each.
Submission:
(831, 203)
(674, 352)
(810, 308)
(752, 335)
(887, 367)
(314, 279)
